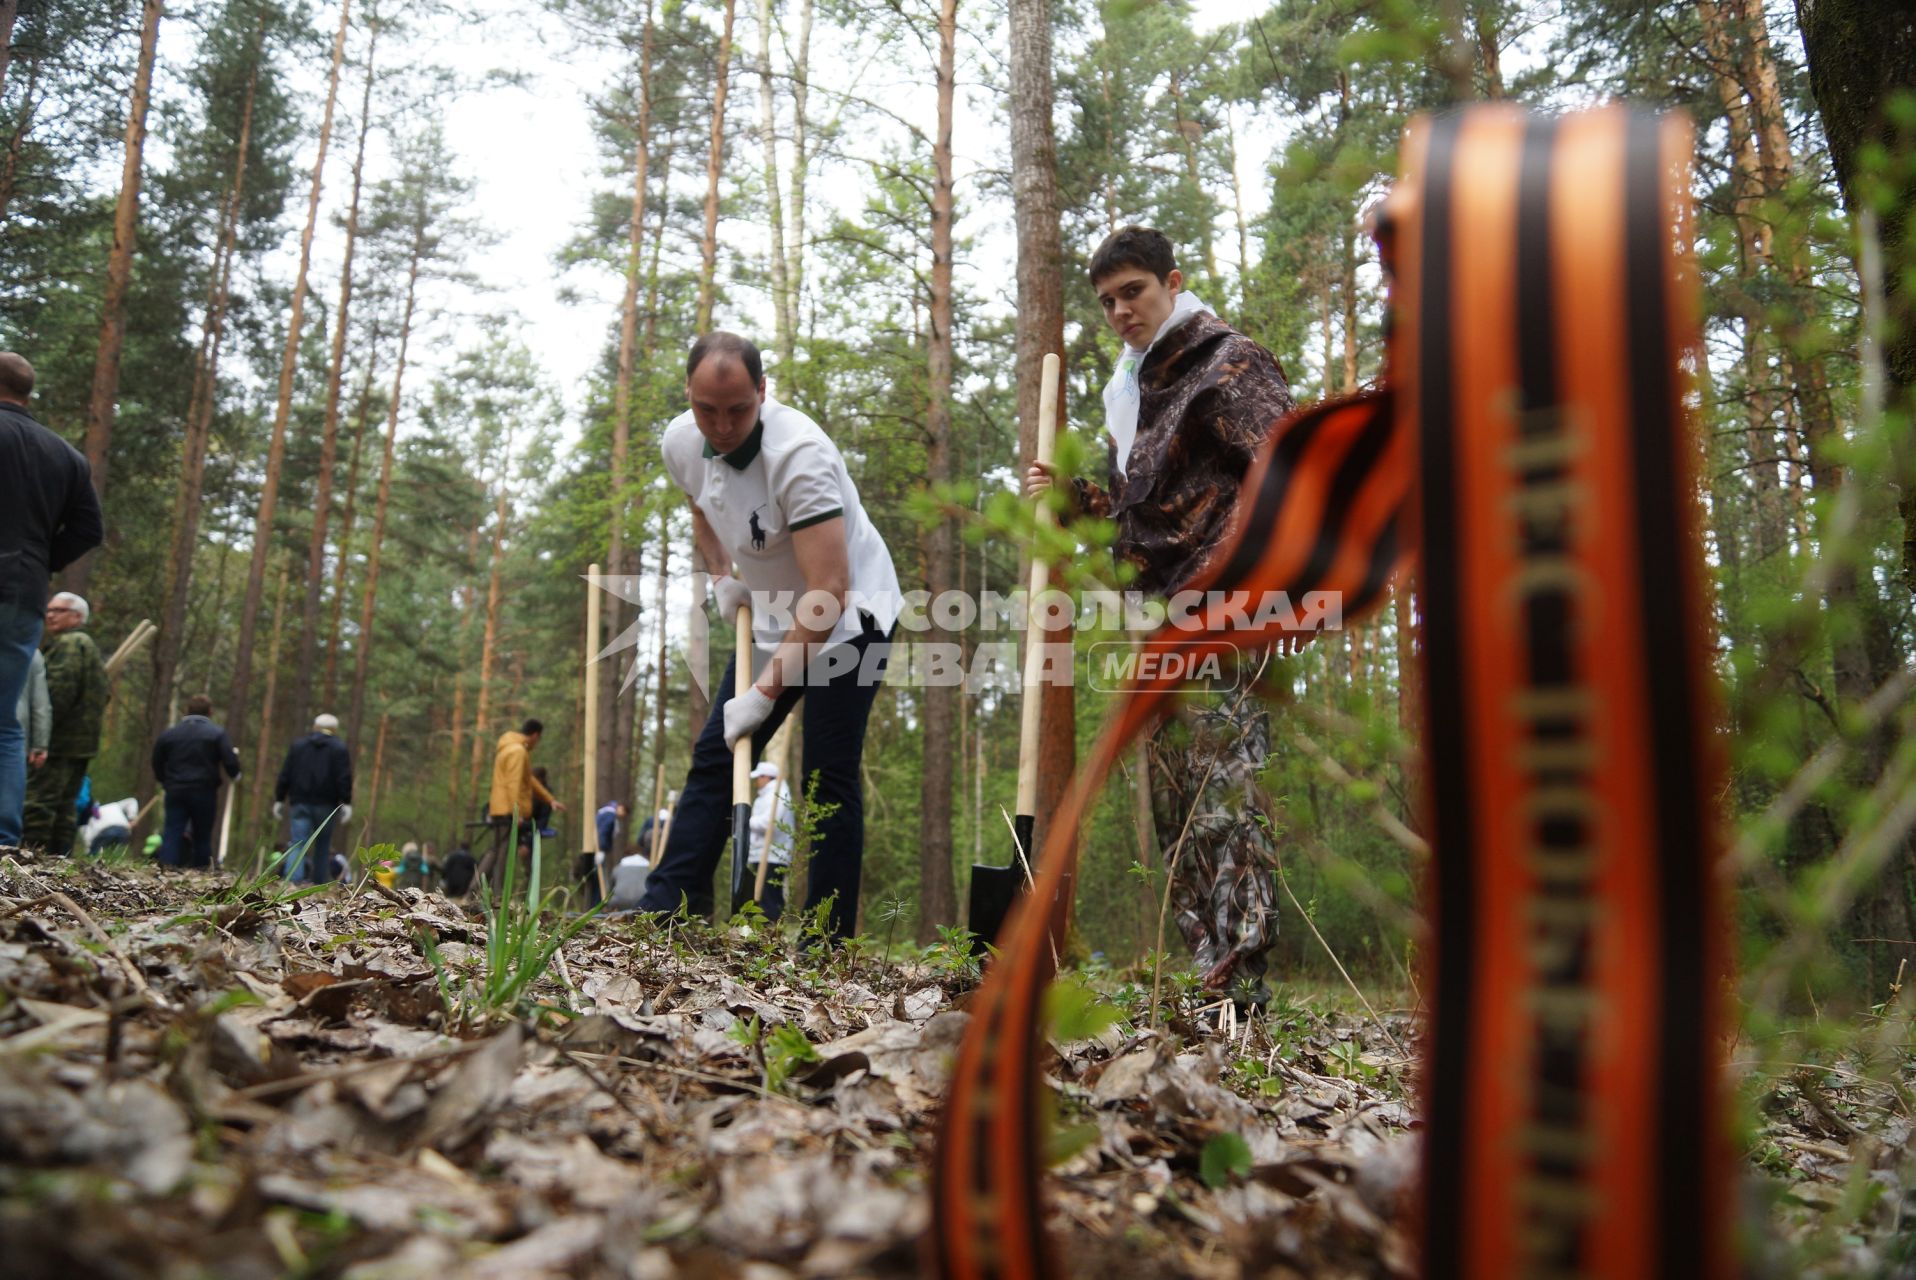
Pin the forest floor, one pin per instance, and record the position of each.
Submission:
(199, 1077)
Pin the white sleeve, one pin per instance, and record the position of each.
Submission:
(674, 465)
(807, 483)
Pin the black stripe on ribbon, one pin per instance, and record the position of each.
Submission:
(1444, 609)
(1683, 1118)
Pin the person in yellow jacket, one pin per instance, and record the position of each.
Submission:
(513, 791)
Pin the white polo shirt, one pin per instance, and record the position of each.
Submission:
(787, 475)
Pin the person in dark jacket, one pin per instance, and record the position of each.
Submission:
(317, 780)
(49, 517)
(188, 760)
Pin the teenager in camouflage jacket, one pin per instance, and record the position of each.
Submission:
(1189, 405)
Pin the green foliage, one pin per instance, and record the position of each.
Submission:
(1225, 1156)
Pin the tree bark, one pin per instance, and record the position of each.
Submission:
(10, 164)
(9, 9)
(490, 646)
(102, 404)
(336, 372)
(177, 583)
(344, 557)
(714, 159)
(614, 754)
(1350, 309)
(801, 160)
(663, 669)
(256, 809)
(1034, 187)
(1861, 53)
(783, 340)
(283, 408)
(456, 772)
(369, 596)
(937, 896)
(379, 769)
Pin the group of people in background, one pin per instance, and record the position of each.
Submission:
(774, 511)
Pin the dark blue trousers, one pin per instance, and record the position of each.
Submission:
(194, 807)
(836, 709)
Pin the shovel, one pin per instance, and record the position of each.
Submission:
(994, 889)
(742, 764)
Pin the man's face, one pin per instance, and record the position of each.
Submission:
(61, 617)
(725, 403)
(1136, 303)
(532, 740)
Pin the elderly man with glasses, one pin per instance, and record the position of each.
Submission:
(77, 688)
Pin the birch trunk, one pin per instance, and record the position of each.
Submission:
(783, 339)
(714, 160)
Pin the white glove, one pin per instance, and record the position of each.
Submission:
(345, 813)
(745, 713)
(279, 811)
(730, 594)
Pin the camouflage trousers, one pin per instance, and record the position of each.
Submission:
(52, 789)
(1204, 766)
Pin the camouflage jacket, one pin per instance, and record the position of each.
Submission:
(76, 686)
(1208, 397)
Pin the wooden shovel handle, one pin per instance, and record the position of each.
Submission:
(1031, 713)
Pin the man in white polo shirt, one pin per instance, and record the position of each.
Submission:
(770, 493)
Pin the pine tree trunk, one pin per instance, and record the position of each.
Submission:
(256, 812)
(369, 596)
(456, 771)
(1035, 202)
(177, 583)
(783, 339)
(650, 341)
(9, 9)
(490, 646)
(329, 429)
(102, 405)
(937, 897)
(1350, 309)
(345, 555)
(379, 772)
(1861, 54)
(16, 140)
(283, 408)
(714, 160)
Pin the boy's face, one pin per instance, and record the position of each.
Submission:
(1136, 303)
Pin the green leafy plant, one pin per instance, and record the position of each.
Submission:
(1224, 1157)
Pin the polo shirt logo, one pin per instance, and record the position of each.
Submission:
(758, 530)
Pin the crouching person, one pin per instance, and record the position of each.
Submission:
(770, 492)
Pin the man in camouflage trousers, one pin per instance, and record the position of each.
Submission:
(77, 688)
(1187, 408)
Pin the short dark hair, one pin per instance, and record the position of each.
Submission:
(728, 345)
(532, 726)
(199, 705)
(1142, 247)
(16, 375)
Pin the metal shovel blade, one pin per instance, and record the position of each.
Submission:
(994, 889)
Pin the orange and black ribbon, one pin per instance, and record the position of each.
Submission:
(1532, 451)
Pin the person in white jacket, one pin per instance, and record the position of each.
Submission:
(771, 834)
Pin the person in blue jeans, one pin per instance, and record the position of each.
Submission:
(317, 781)
(770, 491)
(188, 760)
(49, 517)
